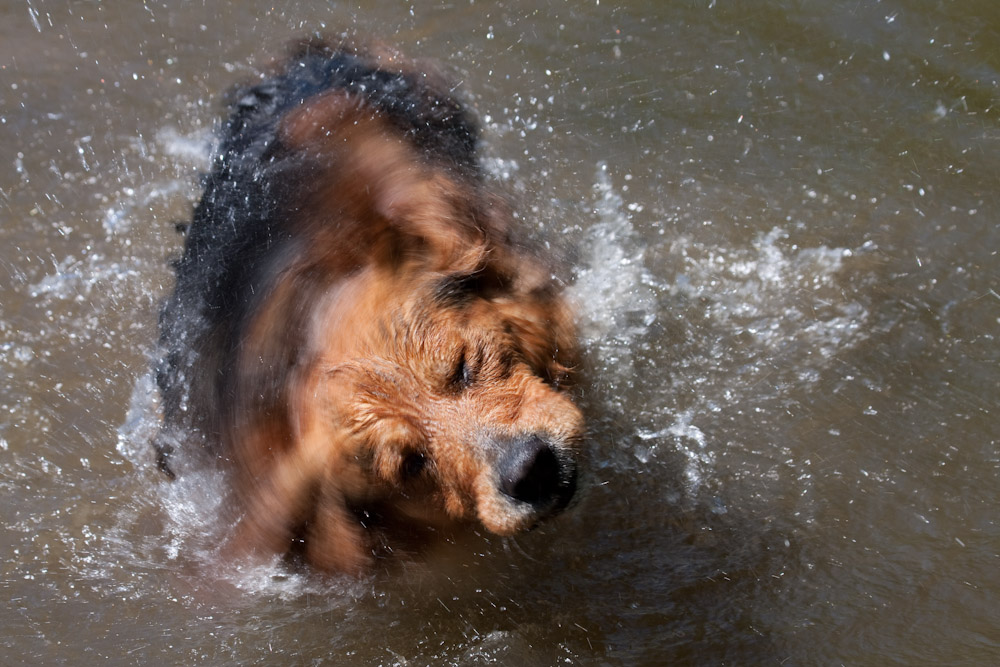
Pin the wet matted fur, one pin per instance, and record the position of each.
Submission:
(354, 330)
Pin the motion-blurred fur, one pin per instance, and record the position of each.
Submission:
(354, 329)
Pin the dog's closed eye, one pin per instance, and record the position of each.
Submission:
(464, 371)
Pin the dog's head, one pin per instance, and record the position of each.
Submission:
(449, 403)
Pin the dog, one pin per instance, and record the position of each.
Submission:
(356, 333)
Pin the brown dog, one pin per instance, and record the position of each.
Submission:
(354, 330)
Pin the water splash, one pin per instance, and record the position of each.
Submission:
(615, 293)
(754, 321)
(687, 439)
(775, 296)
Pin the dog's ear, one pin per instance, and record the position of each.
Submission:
(302, 493)
(542, 328)
(275, 506)
(335, 541)
(390, 199)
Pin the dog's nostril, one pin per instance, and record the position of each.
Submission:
(532, 473)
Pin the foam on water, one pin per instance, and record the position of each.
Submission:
(192, 503)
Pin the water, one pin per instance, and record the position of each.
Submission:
(782, 219)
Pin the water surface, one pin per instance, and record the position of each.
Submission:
(783, 219)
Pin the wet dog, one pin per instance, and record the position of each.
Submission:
(355, 331)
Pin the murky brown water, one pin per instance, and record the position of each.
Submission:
(786, 222)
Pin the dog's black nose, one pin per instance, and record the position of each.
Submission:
(532, 473)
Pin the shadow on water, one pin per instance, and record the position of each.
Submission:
(782, 220)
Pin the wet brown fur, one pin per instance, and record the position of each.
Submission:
(388, 351)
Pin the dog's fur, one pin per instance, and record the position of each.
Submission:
(354, 330)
